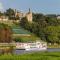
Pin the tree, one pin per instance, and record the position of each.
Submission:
(38, 17)
(51, 21)
(10, 13)
(24, 22)
(5, 34)
(52, 34)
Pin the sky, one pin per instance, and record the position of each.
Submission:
(37, 6)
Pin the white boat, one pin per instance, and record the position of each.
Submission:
(36, 46)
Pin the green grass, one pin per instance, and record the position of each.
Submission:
(18, 30)
(33, 56)
(27, 38)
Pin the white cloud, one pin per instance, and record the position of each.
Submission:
(1, 6)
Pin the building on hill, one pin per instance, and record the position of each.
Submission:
(19, 15)
(28, 15)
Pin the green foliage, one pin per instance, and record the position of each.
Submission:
(33, 56)
(52, 34)
(10, 13)
(24, 22)
(51, 21)
(31, 38)
(38, 17)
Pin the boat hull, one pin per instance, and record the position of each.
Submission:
(36, 49)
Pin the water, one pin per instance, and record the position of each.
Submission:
(19, 51)
(53, 49)
(24, 51)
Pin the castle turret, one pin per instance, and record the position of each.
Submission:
(29, 15)
(29, 10)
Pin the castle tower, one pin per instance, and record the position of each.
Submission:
(29, 15)
(29, 10)
(15, 12)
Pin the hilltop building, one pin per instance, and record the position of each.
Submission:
(28, 15)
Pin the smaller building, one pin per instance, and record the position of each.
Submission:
(58, 16)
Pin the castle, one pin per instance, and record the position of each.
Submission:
(28, 15)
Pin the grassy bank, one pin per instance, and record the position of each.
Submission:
(33, 56)
(54, 46)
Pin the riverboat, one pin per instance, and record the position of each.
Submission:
(32, 46)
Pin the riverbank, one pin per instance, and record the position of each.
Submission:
(53, 46)
(32, 56)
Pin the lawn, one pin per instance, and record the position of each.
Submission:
(32, 56)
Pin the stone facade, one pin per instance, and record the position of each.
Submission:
(29, 16)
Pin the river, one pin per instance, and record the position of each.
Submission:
(24, 51)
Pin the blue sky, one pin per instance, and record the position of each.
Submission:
(40, 6)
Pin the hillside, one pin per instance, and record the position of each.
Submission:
(22, 35)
